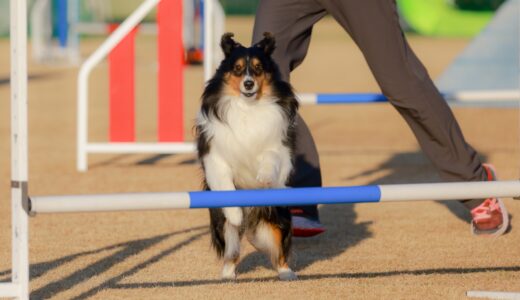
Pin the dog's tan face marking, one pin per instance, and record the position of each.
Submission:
(256, 67)
(233, 85)
(239, 67)
(261, 78)
(234, 77)
(248, 69)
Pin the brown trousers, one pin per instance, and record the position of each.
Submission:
(374, 27)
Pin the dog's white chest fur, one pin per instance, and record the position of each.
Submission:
(246, 147)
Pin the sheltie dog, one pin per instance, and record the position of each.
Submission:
(245, 140)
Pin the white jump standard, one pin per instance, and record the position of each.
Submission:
(19, 285)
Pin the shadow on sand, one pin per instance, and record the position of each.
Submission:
(342, 232)
(413, 167)
(419, 272)
(124, 251)
(7, 80)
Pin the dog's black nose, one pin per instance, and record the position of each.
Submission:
(249, 84)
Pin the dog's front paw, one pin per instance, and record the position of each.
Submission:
(233, 215)
(267, 175)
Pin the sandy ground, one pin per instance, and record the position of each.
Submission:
(373, 251)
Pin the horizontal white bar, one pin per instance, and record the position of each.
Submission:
(450, 191)
(153, 201)
(502, 95)
(493, 295)
(140, 147)
(307, 98)
(8, 290)
(103, 28)
(109, 202)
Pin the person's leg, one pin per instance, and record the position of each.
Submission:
(374, 26)
(291, 21)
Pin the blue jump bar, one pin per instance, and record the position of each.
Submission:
(340, 98)
(350, 98)
(63, 23)
(286, 197)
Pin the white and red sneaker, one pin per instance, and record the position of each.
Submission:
(490, 218)
(304, 225)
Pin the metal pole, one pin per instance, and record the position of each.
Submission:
(461, 96)
(141, 148)
(493, 295)
(275, 197)
(19, 139)
(208, 39)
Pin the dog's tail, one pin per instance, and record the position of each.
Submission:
(217, 220)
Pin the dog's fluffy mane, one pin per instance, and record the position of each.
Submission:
(282, 91)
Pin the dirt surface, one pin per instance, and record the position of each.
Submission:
(373, 251)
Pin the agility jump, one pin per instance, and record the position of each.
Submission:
(119, 47)
(274, 197)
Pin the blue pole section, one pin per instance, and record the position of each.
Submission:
(350, 98)
(285, 197)
(63, 24)
(201, 22)
(347, 98)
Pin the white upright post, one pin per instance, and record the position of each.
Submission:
(41, 30)
(208, 39)
(19, 200)
(73, 34)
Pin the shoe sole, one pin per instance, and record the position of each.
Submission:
(307, 232)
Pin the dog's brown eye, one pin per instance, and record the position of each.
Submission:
(238, 68)
(258, 68)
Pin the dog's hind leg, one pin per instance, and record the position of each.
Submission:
(282, 239)
(232, 236)
(275, 241)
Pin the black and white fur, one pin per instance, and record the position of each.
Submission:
(246, 139)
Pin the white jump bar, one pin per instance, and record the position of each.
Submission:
(493, 295)
(9, 290)
(109, 202)
(498, 95)
(293, 196)
(140, 147)
(450, 191)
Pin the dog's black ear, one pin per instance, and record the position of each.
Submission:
(227, 43)
(267, 43)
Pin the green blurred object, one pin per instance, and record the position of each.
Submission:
(443, 18)
(491, 5)
(4, 18)
(120, 9)
(239, 7)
